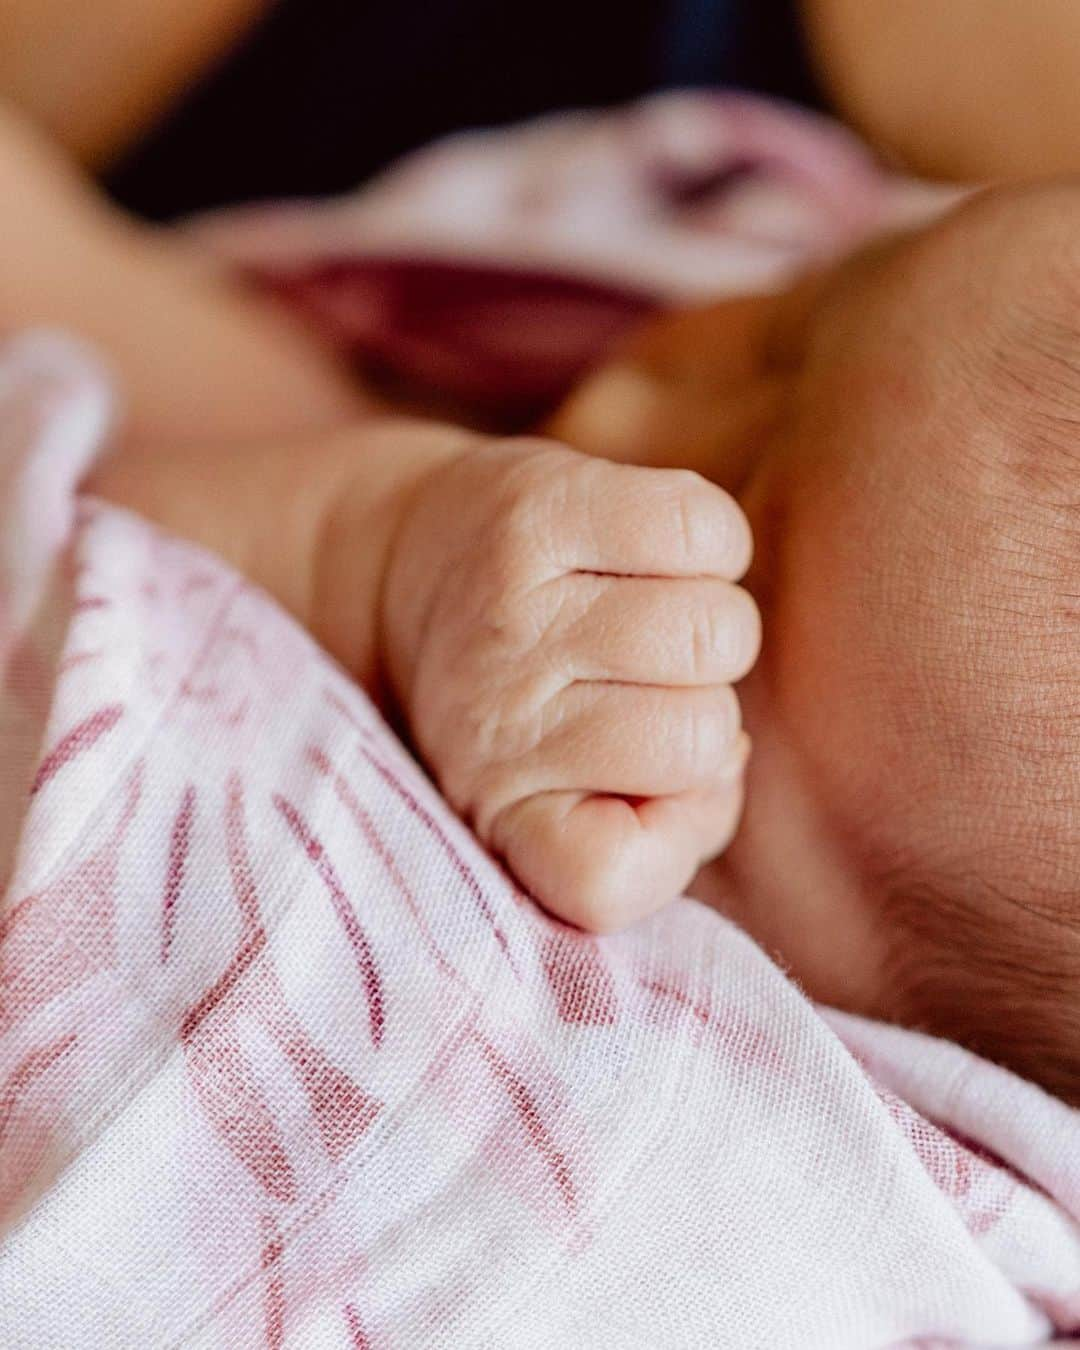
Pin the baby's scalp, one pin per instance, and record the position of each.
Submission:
(982, 899)
(988, 936)
(918, 534)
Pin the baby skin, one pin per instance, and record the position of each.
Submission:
(902, 434)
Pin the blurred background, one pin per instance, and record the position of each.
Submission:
(312, 96)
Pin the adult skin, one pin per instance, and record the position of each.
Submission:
(956, 89)
(95, 82)
(969, 89)
(200, 359)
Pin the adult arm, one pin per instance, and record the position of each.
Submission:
(960, 89)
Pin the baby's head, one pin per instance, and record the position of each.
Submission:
(912, 840)
(905, 436)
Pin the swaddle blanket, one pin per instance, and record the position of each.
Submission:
(287, 1061)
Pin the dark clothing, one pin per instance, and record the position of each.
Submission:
(321, 93)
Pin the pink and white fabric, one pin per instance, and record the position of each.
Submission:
(287, 1061)
(494, 267)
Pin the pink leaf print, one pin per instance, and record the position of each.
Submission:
(536, 1130)
(78, 740)
(274, 1294)
(77, 659)
(223, 987)
(26, 1072)
(582, 985)
(71, 920)
(366, 826)
(346, 914)
(341, 1109)
(355, 1328)
(25, 1142)
(730, 1031)
(234, 1105)
(179, 844)
(247, 901)
(460, 866)
(955, 1169)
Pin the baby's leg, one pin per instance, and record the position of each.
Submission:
(196, 358)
